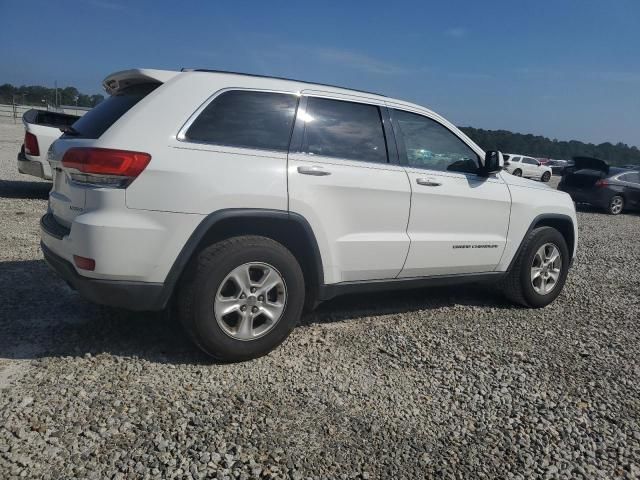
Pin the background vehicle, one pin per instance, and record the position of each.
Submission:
(528, 167)
(42, 128)
(242, 198)
(558, 166)
(594, 182)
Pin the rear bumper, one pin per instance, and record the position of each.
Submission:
(115, 293)
(34, 168)
(598, 197)
(134, 252)
(29, 167)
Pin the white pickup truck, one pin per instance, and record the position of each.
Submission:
(42, 128)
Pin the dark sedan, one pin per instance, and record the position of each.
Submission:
(594, 182)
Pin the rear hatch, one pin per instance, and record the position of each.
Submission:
(70, 187)
(585, 172)
(582, 179)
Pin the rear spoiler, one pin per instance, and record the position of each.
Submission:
(126, 78)
(47, 118)
(589, 163)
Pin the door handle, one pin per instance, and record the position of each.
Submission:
(428, 182)
(313, 170)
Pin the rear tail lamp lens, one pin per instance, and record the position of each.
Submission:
(601, 183)
(31, 144)
(105, 167)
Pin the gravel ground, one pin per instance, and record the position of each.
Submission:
(447, 382)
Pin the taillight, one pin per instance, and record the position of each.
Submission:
(84, 263)
(31, 144)
(601, 183)
(104, 166)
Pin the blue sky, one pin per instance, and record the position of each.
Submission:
(566, 69)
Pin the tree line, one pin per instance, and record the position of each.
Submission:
(543, 147)
(37, 95)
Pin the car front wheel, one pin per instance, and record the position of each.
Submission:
(546, 176)
(242, 298)
(540, 269)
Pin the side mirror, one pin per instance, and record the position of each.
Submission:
(493, 163)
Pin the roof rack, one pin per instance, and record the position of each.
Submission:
(277, 78)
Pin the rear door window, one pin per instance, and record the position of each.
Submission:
(335, 128)
(97, 120)
(246, 119)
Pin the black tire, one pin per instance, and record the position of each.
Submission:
(616, 205)
(546, 176)
(517, 285)
(517, 172)
(213, 264)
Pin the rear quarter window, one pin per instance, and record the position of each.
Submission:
(98, 120)
(631, 177)
(246, 119)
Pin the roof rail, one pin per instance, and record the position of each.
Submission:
(277, 78)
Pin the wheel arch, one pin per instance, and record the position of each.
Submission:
(618, 193)
(562, 223)
(290, 229)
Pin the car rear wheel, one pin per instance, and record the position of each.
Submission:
(517, 172)
(242, 298)
(616, 205)
(546, 176)
(540, 270)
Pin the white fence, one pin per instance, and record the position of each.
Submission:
(15, 111)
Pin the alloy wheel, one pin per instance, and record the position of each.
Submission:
(616, 205)
(250, 301)
(546, 268)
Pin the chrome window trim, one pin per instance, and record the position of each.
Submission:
(343, 97)
(182, 133)
(417, 110)
(619, 176)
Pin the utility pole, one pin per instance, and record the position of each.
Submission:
(55, 83)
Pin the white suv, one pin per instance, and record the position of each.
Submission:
(240, 199)
(522, 166)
